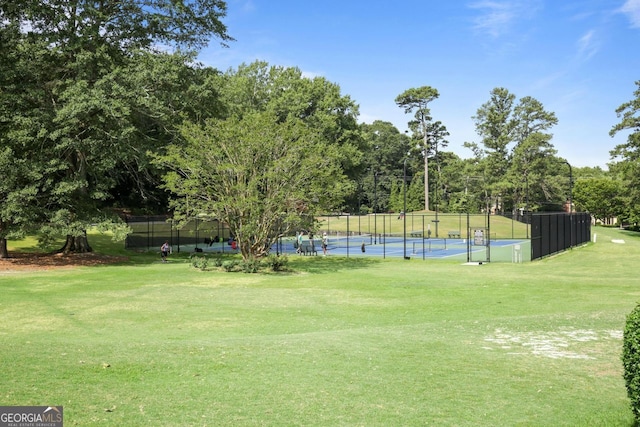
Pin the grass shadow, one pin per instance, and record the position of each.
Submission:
(320, 265)
(104, 246)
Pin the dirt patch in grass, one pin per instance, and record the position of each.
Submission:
(563, 343)
(33, 262)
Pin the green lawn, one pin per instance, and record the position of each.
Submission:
(354, 342)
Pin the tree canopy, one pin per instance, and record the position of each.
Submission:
(516, 158)
(601, 197)
(385, 150)
(430, 134)
(628, 155)
(263, 177)
(72, 103)
(280, 155)
(102, 101)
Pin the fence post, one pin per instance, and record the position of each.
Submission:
(348, 217)
(423, 254)
(384, 241)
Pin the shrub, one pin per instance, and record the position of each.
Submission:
(277, 263)
(250, 266)
(217, 261)
(631, 359)
(230, 265)
(199, 262)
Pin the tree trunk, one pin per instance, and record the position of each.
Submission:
(76, 244)
(4, 253)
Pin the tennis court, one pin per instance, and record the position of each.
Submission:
(503, 250)
(395, 246)
(508, 250)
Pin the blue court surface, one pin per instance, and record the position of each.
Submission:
(505, 250)
(456, 249)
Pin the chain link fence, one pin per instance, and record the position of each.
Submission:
(149, 232)
(470, 237)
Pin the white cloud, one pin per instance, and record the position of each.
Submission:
(588, 45)
(495, 18)
(242, 6)
(498, 16)
(248, 7)
(632, 9)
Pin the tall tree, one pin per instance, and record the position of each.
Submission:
(530, 117)
(283, 147)
(495, 128)
(263, 176)
(601, 197)
(161, 91)
(532, 161)
(417, 100)
(516, 154)
(437, 134)
(284, 91)
(88, 125)
(25, 164)
(533, 151)
(628, 153)
(122, 25)
(386, 148)
(629, 112)
(450, 181)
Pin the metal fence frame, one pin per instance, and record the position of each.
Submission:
(151, 231)
(550, 232)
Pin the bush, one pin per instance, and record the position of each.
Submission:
(230, 265)
(631, 359)
(250, 266)
(277, 263)
(199, 262)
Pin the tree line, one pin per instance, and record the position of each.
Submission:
(104, 108)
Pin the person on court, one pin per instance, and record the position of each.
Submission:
(164, 251)
(325, 242)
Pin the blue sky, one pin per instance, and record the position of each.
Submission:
(580, 58)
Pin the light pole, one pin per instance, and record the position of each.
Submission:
(404, 212)
(436, 188)
(375, 207)
(526, 203)
(570, 204)
(426, 163)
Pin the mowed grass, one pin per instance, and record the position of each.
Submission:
(353, 342)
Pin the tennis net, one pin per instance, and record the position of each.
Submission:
(416, 244)
(355, 241)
